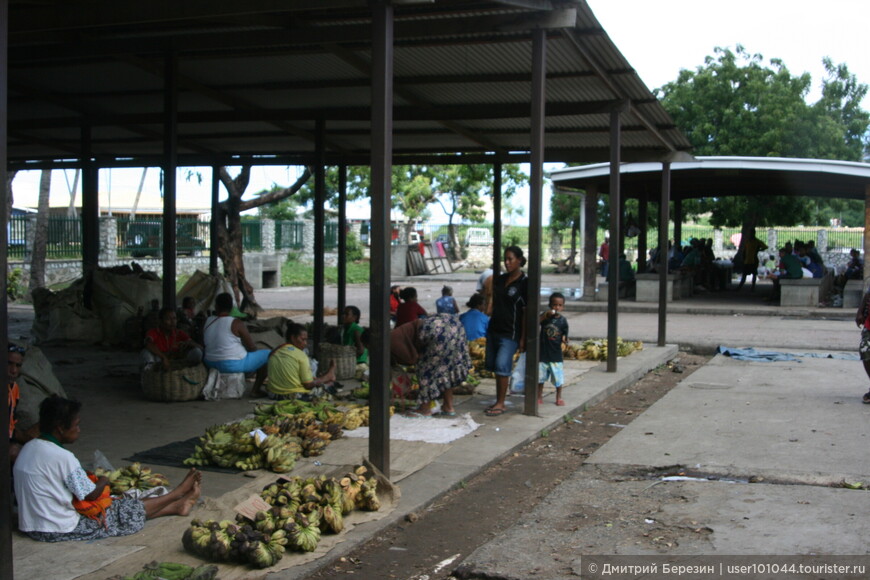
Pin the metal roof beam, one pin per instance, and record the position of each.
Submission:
(85, 111)
(33, 48)
(71, 16)
(401, 113)
(236, 103)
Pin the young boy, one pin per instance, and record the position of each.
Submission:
(554, 331)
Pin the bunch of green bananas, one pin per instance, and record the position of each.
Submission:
(174, 571)
(133, 476)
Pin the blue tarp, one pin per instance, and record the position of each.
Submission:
(752, 354)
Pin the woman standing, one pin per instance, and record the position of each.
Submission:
(506, 333)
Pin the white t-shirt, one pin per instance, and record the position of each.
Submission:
(220, 342)
(44, 475)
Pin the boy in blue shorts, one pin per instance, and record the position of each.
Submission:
(554, 331)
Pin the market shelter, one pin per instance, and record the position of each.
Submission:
(717, 176)
(339, 82)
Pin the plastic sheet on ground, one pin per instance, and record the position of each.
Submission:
(426, 429)
(755, 355)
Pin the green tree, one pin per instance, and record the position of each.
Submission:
(735, 105)
(460, 191)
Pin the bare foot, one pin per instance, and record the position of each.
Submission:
(189, 500)
(193, 476)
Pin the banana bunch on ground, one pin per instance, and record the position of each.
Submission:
(477, 351)
(361, 491)
(280, 452)
(133, 476)
(225, 541)
(357, 416)
(321, 410)
(301, 511)
(172, 571)
(234, 446)
(596, 349)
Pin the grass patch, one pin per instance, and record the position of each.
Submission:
(298, 274)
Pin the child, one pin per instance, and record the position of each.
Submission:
(447, 303)
(474, 320)
(351, 333)
(554, 331)
(409, 310)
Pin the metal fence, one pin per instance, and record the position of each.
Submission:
(63, 240)
(143, 237)
(288, 235)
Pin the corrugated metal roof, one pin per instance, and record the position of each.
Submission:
(719, 176)
(255, 75)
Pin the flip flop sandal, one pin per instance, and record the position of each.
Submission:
(492, 412)
(416, 415)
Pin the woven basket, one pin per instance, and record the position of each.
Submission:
(180, 383)
(344, 357)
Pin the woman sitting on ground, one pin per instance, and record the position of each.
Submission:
(290, 368)
(474, 320)
(409, 310)
(167, 343)
(54, 492)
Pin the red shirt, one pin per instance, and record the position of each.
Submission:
(408, 312)
(164, 343)
(394, 304)
(14, 395)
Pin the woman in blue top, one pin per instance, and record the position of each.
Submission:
(474, 320)
(447, 303)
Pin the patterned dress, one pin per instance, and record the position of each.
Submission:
(444, 361)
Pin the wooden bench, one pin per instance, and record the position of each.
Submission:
(806, 292)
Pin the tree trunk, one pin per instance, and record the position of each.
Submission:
(453, 236)
(71, 210)
(229, 230)
(40, 236)
(408, 227)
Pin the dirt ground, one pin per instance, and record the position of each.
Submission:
(433, 543)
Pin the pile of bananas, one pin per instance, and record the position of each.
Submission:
(238, 445)
(596, 349)
(173, 571)
(133, 476)
(324, 411)
(477, 351)
(302, 510)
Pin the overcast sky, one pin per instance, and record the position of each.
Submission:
(658, 38)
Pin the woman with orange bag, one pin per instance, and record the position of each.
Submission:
(58, 500)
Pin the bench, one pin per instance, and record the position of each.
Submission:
(679, 286)
(627, 289)
(805, 292)
(852, 293)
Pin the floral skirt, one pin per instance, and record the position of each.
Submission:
(124, 517)
(444, 362)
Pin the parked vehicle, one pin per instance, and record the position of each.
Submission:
(478, 237)
(146, 239)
